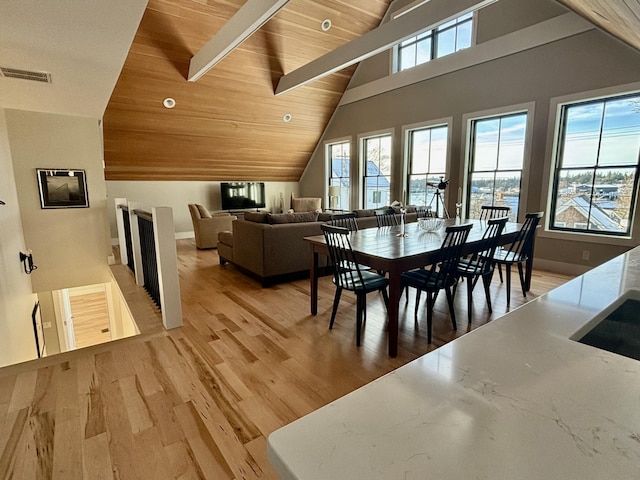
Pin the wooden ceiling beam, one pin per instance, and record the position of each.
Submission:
(251, 16)
(420, 19)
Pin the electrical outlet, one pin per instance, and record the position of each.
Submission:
(46, 324)
(586, 254)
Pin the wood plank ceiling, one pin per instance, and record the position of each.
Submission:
(620, 18)
(228, 125)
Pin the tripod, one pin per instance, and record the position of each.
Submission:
(437, 197)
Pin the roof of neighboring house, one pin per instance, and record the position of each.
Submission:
(597, 216)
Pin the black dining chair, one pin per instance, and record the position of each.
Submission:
(386, 217)
(442, 274)
(349, 276)
(424, 211)
(479, 263)
(518, 252)
(494, 211)
(346, 220)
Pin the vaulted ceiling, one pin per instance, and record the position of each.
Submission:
(228, 125)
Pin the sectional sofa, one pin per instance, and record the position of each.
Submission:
(271, 247)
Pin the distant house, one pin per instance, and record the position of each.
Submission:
(578, 212)
(602, 191)
(377, 187)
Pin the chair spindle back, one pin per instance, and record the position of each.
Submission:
(386, 217)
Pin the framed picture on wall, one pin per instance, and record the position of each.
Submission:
(36, 317)
(62, 188)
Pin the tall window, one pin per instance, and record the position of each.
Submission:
(377, 171)
(596, 166)
(339, 173)
(496, 161)
(443, 40)
(427, 164)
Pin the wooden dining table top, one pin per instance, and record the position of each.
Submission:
(384, 242)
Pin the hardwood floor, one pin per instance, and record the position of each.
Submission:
(198, 402)
(90, 319)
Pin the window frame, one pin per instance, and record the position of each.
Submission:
(434, 35)
(467, 120)
(549, 167)
(328, 170)
(362, 170)
(407, 131)
(560, 134)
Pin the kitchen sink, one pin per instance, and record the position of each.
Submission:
(615, 329)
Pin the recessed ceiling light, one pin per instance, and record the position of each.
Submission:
(287, 117)
(169, 102)
(325, 25)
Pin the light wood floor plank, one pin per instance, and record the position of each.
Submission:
(198, 402)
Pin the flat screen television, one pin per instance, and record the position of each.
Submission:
(242, 195)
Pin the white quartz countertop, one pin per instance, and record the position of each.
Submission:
(515, 399)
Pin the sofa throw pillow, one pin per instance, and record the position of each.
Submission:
(277, 218)
(306, 204)
(204, 213)
(258, 217)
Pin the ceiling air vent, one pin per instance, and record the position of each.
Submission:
(25, 74)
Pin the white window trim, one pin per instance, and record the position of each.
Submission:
(361, 138)
(393, 60)
(406, 132)
(530, 109)
(555, 105)
(327, 164)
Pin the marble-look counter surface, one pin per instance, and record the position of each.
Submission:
(515, 399)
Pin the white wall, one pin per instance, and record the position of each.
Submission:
(70, 246)
(16, 297)
(179, 194)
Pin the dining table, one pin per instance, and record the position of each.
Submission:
(386, 249)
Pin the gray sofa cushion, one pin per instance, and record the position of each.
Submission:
(277, 218)
(370, 212)
(258, 217)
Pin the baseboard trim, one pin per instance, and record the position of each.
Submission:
(560, 267)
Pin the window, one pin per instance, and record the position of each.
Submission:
(376, 153)
(444, 40)
(496, 161)
(339, 161)
(427, 164)
(596, 166)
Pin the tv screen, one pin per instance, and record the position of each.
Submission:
(242, 195)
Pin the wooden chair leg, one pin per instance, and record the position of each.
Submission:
(507, 268)
(418, 293)
(336, 301)
(429, 316)
(523, 283)
(385, 297)
(469, 298)
(452, 311)
(500, 271)
(360, 306)
(486, 281)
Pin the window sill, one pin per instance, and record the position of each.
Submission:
(587, 238)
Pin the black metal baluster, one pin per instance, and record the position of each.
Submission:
(127, 239)
(148, 252)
